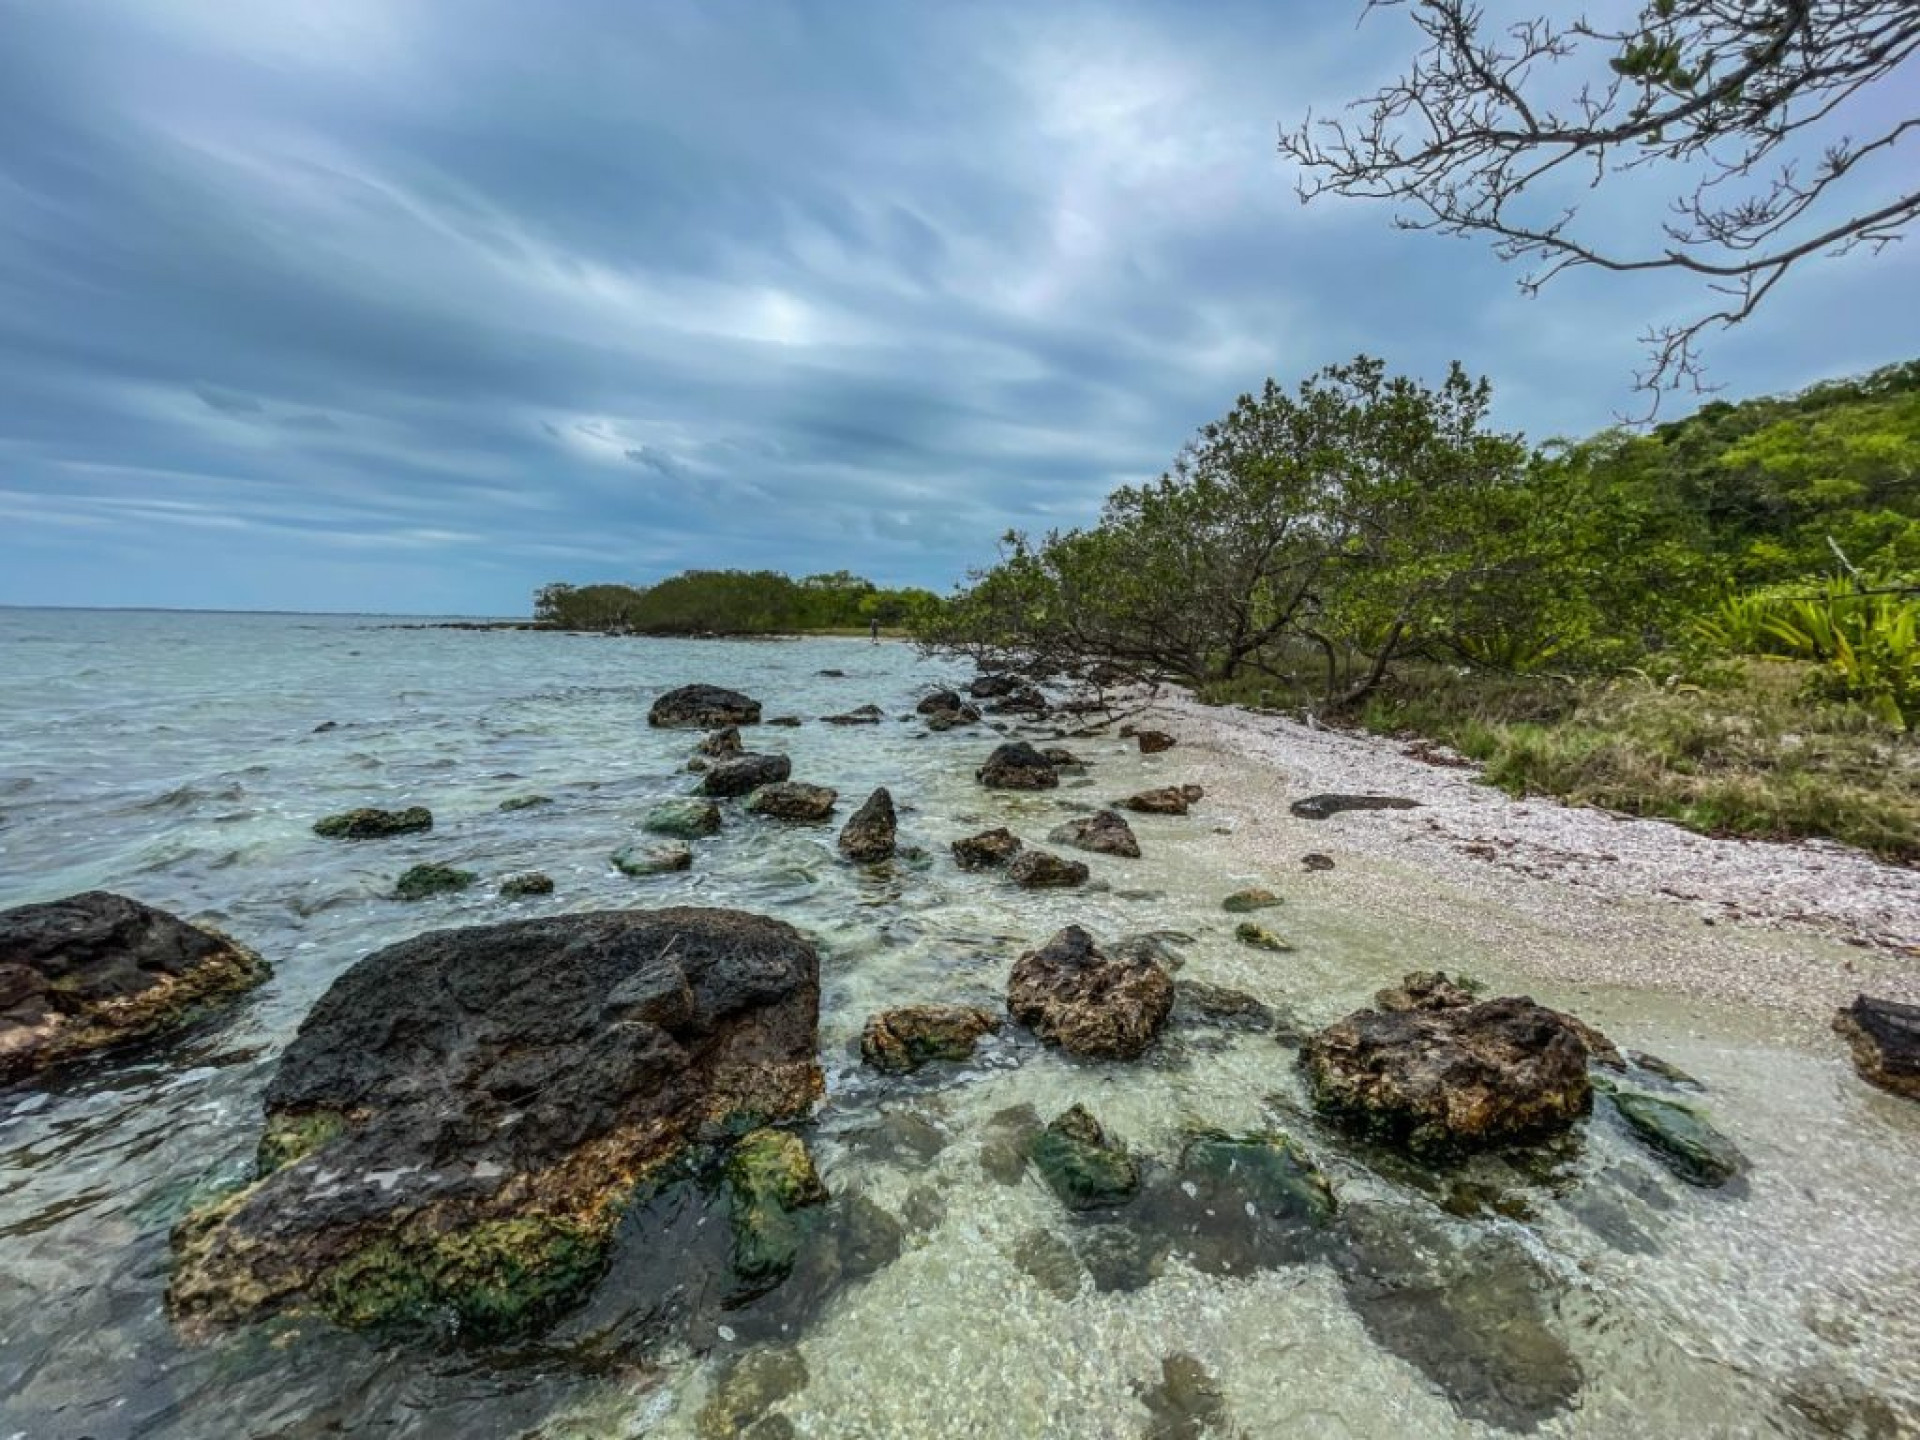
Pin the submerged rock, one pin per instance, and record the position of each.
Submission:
(864, 715)
(751, 1384)
(369, 823)
(1259, 937)
(1322, 807)
(1196, 1003)
(703, 707)
(1168, 800)
(685, 818)
(1080, 1165)
(987, 849)
(1089, 1003)
(525, 802)
(95, 970)
(423, 881)
(1314, 860)
(1884, 1037)
(1042, 870)
(908, 1037)
(872, 832)
(641, 860)
(1245, 902)
(1447, 1080)
(743, 774)
(1682, 1137)
(1049, 1261)
(771, 1181)
(519, 887)
(1241, 1203)
(1006, 1140)
(1018, 766)
(478, 1106)
(793, 800)
(1187, 1403)
(1104, 833)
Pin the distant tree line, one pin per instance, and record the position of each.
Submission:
(733, 602)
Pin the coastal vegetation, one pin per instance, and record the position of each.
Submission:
(1716, 620)
(733, 602)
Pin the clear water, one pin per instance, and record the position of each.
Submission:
(174, 758)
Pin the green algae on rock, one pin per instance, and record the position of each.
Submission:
(1683, 1139)
(640, 861)
(771, 1182)
(1259, 937)
(1268, 1169)
(909, 1036)
(423, 881)
(96, 970)
(1081, 1165)
(525, 802)
(685, 818)
(369, 823)
(1243, 902)
(523, 886)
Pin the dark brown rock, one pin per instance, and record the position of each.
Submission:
(1102, 833)
(743, 774)
(987, 849)
(1018, 766)
(96, 970)
(1321, 807)
(1884, 1036)
(724, 741)
(873, 831)
(1073, 994)
(908, 1037)
(1042, 870)
(793, 800)
(703, 707)
(1167, 800)
(1152, 742)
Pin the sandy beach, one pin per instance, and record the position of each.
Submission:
(1576, 896)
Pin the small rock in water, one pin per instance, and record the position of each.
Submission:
(1682, 1137)
(426, 880)
(534, 882)
(1081, 1165)
(686, 818)
(659, 859)
(1006, 1140)
(1884, 1036)
(870, 835)
(525, 802)
(749, 1387)
(1018, 766)
(793, 800)
(786, 722)
(703, 707)
(1087, 1002)
(1103, 833)
(1120, 1257)
(743, 774)
(906, 1038)
(1665, 1069)
(865, 715)
(1314, 860)
(1195, 1002)
(1042, 870)
(771, 1181)
(1242, 902)
(721, 742)
(1322, 807)
(987, 849)
(1152, 742)
(1049, 1262)
(1259, 937)
(1186, 1404)
(1168, 800)
(369, 823)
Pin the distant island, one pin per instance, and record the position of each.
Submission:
(735, 602)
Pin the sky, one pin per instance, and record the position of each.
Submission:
(414, 305)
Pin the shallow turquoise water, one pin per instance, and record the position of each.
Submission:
(175, 758)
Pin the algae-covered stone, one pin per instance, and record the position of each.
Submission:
(910, 1036)
(743, 774)
(1243, 902)
(445, 1137)
(1269, 1171)
(525, 802)
(1081, 1166)
(1259, 937)
(752, 1383)
(1089, 1002)
(526, 885)
(424, 881)
(686, 818)
(369, 823)
(793, 800)
(771, 1181)
(1682, 1137)
(96, 970)
(643, 860)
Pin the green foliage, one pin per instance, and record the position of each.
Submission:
(732, 602)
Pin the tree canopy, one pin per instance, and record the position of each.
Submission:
(731, 602)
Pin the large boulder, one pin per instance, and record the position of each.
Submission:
(1884, 1036)
(1016, 765)
(986, 850)
(743, 774)
(1103, 833)
(1442, 1081)
(703, 707)
(908, 1037)
(870, 835)
(95, 970)
(793, 800)
(369, 823)
(1075, 995)
(463, 1117)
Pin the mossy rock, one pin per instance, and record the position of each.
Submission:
(644, 860)
(1270, 1169)
(684, 819)
(1245, 902)
(519, 887)
(371, 824)
(1081, 1166)
(1681, 1136)
(525, 802)
(424, 881)
(497, 1278)
(1259, 937)
(771, 1185)
(294, 1136)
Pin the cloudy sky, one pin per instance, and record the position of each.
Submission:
(411, 305)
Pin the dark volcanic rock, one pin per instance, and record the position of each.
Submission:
(371, 824)
(1453, 1079)
(870, 835)
(987, 849)
(1436, 990)
(1168, 800)
(940, 701)
(908, 1037)
(1042, 870)
(743, 774)
(1885, 1039)
(1320, 807)
(463, 1117)
(423, 881)
(793, 800)
(703, 707)
(1087, 1002)
(1152, 742)
(94, 970)
(1081, 1165)
(1103, 833)
(1018, 766)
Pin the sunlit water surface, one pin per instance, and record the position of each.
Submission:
(175, 758)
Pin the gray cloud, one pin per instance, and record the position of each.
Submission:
(359, 305)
